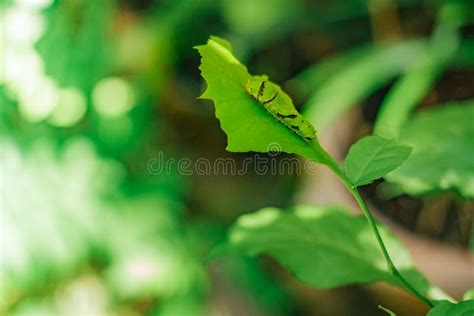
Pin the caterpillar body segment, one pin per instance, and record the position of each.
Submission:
(280, 106)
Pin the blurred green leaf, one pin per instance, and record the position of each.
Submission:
(35, 307)
(325, 247)
(469, 295)
(372, 157)
(44, 241)
(442, 140)
(260, 20)
(251, 277)
(386, 310)
(315, 76)
(182, 305)
(465, 54)
(413, 86)
(360, 74)
(137, 240)
(249, 127)
(465, 308)
(76, 39)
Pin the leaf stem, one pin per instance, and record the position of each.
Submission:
(390, 265)
(392, 269)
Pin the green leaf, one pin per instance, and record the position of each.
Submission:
(442, 141)
(413, 86)
(323, 246)
(372, 157)
(464, 308)
(357, 73)
(314, 77)
(248, 126)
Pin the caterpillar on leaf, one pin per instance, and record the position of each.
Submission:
(278, 104)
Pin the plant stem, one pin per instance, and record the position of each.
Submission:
(390, 265)
(392, 269)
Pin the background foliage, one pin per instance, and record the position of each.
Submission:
(91, 91)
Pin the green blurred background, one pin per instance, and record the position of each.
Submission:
(90, 91)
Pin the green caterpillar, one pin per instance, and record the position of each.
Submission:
(280, 106)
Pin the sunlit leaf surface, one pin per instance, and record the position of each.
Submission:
(324, 247)
(249, 127)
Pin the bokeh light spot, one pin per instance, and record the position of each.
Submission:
(37, 103)
(22, 26)
(70, 108)
(113, 97)
(34, 4)
(20, 67)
